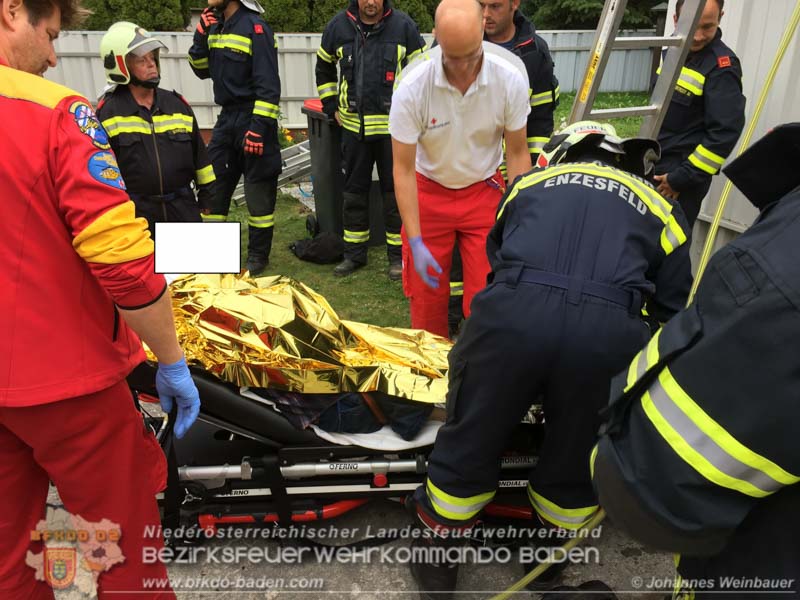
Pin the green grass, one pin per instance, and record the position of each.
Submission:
(626, 127)
(367, 295)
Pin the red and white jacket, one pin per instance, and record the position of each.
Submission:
(70, 248)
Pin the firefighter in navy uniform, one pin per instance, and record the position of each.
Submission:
(705, 117)
(237, 50)
(699, 455)
(372, 43)
(577, 249)
(506, 26)
(152, 131)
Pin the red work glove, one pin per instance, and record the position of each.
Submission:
(207, 18)
(253, 143)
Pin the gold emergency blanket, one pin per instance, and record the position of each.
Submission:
(276, 332)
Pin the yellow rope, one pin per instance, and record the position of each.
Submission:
(723, 199)
(541, 568)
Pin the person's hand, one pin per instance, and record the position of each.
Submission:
(175, 384)
(337, 118)
(207, 18)
(253, 143)
(423, 261)
(664, 188)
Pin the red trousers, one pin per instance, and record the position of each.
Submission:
(96, 451)
(446, 216)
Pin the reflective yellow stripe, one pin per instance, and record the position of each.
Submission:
(199, 63)
(452, 507)
(326, 90)
(231, 41)
(373, 124)
(542, 98)
(356, 237)
(205, 175)
(416, 53)
(689, 79)
(115, 237)
(644, 360)
(325, 56)
(176, 122)
(394, 239)
(536, 144)
(692, 80)
(706, 446)
(266, 109)
(214, 218)
(261, 222)
(657, 205)
(456, 288)
(706, 160)
(568, 518)
(116, 125)
(592, 459)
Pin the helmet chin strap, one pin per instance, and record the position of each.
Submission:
(151, 83)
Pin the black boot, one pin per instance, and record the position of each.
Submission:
(588, 590)
(548, 580)
(436, 577)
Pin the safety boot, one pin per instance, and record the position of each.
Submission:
(347, 267)
(395, 271)
(256, 265)
(435, 576)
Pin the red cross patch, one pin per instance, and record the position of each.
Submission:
(258, 28)
(389, 75)
(433, 121)
(724, 61)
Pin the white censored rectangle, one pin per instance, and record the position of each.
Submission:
(198, 247)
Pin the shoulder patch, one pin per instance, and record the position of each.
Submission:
(258, 28)
(723, 61)
(103, 167)
(89, 124)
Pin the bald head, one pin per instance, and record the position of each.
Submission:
(459, 26)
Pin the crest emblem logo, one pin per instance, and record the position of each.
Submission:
(60, 567)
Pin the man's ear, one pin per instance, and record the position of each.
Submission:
(11, 11)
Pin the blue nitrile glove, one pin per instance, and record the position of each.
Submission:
(423, 260)
(174, 382)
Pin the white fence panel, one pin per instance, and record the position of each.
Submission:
(80, 68)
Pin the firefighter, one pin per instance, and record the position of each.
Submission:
(699, 455)
(371, 42)
(237, 50)
(506, 26)
(577, 249)
(153, 132)
(705, 117)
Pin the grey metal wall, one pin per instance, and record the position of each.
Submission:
(79, 67)
(753, 30)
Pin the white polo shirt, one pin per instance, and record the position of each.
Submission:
(459, 137)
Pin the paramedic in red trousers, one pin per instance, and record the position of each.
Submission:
(705, 116)
(507, 27)
(578, 249)
(372, 42)
(152, 131)
(448, 120)
(79, 292)
(235, 47)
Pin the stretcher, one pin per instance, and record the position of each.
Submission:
(243, 462)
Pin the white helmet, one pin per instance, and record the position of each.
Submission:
(124, 38)
(636, 155)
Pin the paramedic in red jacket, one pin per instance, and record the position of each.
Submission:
(79, 291)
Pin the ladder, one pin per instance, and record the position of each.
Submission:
(606, 40)
(296, 162)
